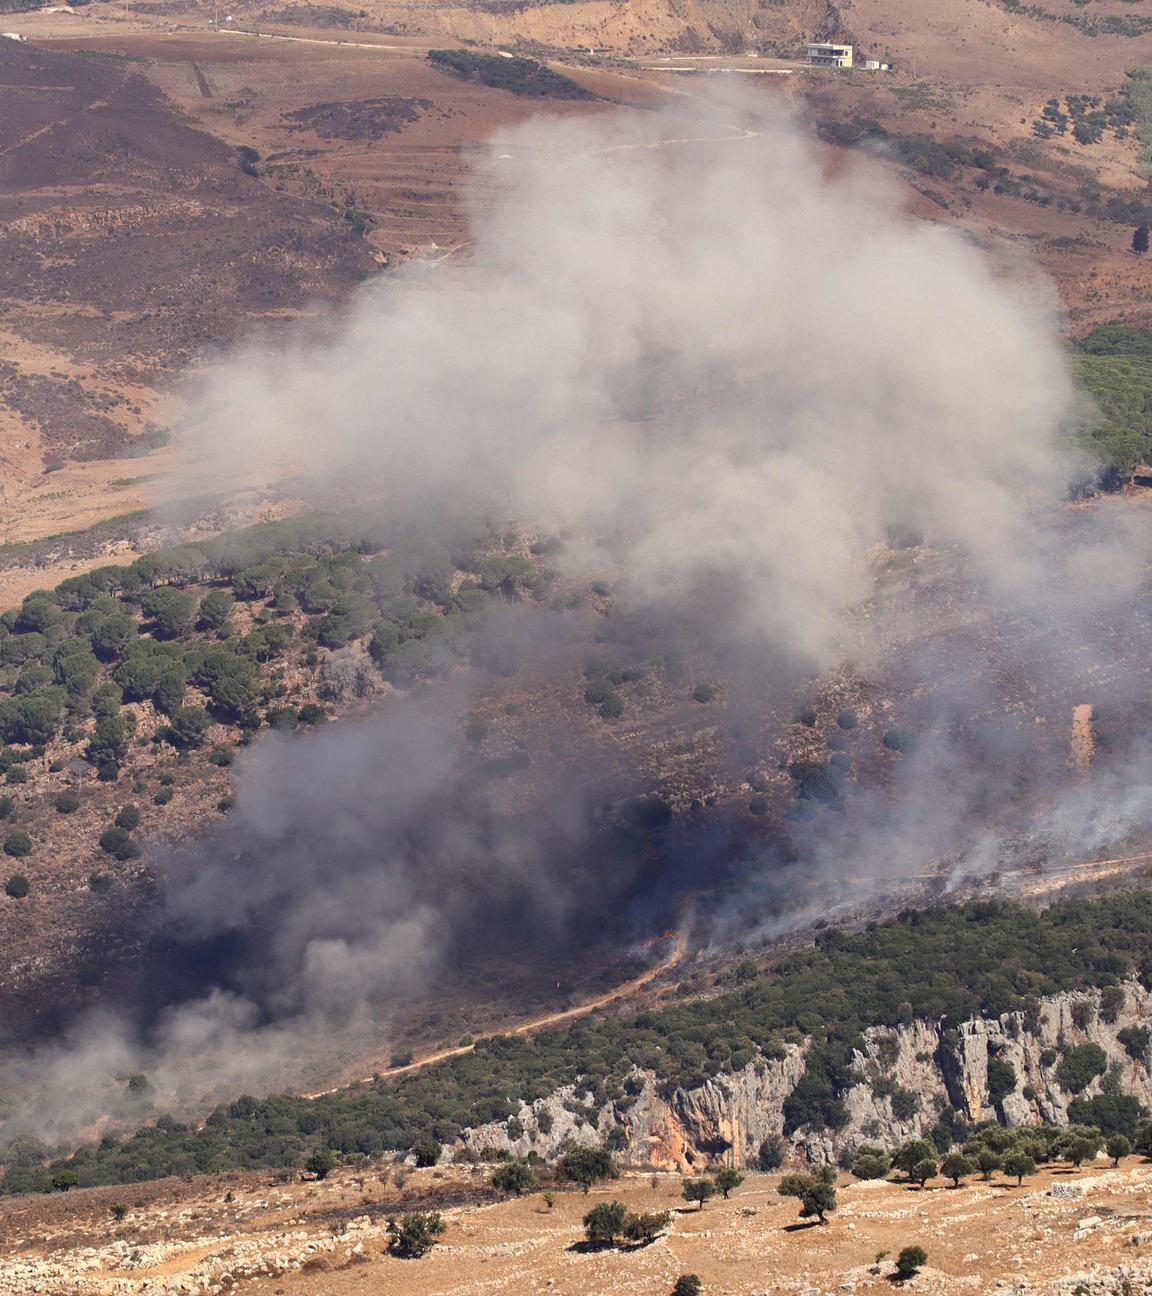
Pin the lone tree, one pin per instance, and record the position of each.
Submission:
(413, 1236)
(727, 1179)
(1019, 1164)
(924, 1170)
(698, 1190)
(817, 1192)
(1119, 1145)
(605, 1222)
(426, 1151)
(515, 1177)
(320, 1163)
(1140, 240)
(910, 1260)
(955, 1166)
(586, 1165)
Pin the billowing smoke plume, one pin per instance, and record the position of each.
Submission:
(720, 363)
(728, 370)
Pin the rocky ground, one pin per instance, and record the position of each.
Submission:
(942, 1068)
(1085, 1232)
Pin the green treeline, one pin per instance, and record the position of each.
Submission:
(1114, 366)
(520, 76)
(951, 963)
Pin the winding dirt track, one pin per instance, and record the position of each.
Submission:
(674, 956)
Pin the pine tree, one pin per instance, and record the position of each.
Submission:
(1140, 239)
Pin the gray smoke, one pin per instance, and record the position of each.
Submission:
(713, 363)
(727, 371)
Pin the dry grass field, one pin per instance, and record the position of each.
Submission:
(1063, 1231)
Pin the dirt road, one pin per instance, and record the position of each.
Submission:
(628, 988)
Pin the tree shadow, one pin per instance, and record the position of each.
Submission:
(801, 1226)
(584, 1247)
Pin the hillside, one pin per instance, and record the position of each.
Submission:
(1086, 1230)
(131, 243)
(458, 705)
(165, 245)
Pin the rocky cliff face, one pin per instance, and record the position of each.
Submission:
(907, 1076)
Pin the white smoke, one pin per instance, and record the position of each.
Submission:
(726, 363)
(727, 368)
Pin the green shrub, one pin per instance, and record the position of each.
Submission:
(119, 844)
(1080, 1066)
(612, 708)
(770, 1155)
(188, 727)
(66, 802)
(1109, 1112)
(905, 1104)
(586, 1165)
(128, 818)
(520, 76)
(1018, 1165)
(1111, 1003)
(870, 1163)
(1135, 1041)
(899, 740)
(1002, 1079)
(817, 1192)
(414, 1235)
(910, 1260)
(426, 1151)
(17, 844)
(17, 886)
(1118, 1147)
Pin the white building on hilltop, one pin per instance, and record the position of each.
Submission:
(823, 54)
